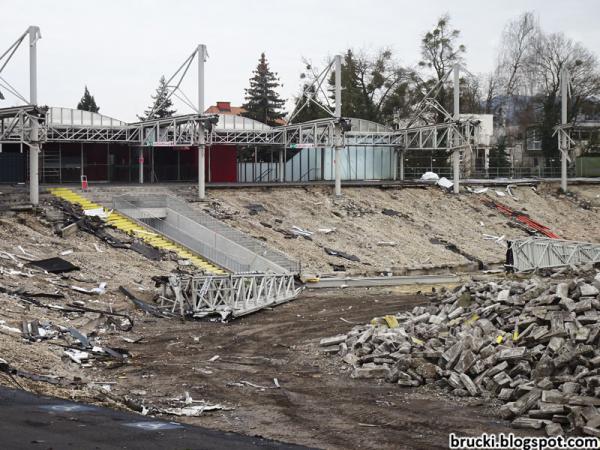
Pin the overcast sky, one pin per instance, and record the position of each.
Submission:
(120, 48)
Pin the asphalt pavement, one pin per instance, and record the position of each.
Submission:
(28, 421)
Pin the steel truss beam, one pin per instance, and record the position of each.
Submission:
(543, 253)
(231, 295)
(16, 124)
(183, 131)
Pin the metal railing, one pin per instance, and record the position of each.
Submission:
(175, 234)
(242, 239)
(209, 239)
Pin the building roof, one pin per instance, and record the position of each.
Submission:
(225, 108)
(76, 117)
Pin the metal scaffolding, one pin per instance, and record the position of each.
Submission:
(543, 253)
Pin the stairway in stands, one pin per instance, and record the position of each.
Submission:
(131, 227)
(50, 165)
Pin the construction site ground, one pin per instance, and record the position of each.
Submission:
(415, 238)
(235, 364)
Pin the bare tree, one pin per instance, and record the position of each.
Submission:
(519, 40)
(554, 51)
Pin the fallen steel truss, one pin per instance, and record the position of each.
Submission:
(543, 253)
(230, 295)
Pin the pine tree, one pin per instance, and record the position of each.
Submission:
(262, 100)
(87, 102)
(161, 104)
(498, 156)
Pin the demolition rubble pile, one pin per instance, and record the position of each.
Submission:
(532, 344)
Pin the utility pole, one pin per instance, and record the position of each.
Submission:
(456, 151)
(201, 138)
(562, 139)
(34, 137)
(338, 127)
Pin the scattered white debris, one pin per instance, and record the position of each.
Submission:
(430, 176)
(66, 252)
(301, 232)
(25, 252)
(276, 382)
(101, 289)
(386, 243)
(445, 183)
(214, 358)
(326, 230)
(98, 212)
(77, 355)
(192, 411)
(497, 239)
(500, 194)
(98, 249)
(7, 328)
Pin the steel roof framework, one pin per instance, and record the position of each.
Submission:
(183, 131)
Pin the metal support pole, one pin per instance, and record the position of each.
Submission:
(202, 140)
(486, 162)
(456, 152)
(281, 166)
(402, 165)
(201, 166)
(338, 115)
(564, 91)
(34, 147)
(141, 165)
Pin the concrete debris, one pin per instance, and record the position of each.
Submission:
(533, 344)
(300, 231)
(445, 183)
(386, 244)
(341, 254)
(255, 208)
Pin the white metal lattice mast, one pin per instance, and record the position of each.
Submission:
(456, 116)
(338, 129)
(34, 146)
(564, 147)
(201, 137)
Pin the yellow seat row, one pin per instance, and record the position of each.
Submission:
(127, 225)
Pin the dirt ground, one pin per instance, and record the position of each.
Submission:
(317, 404)
(426, 217)
(427, 220)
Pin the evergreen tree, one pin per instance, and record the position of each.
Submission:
(262, 100)
(498, 156)
(161, 104)
(87, 102)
